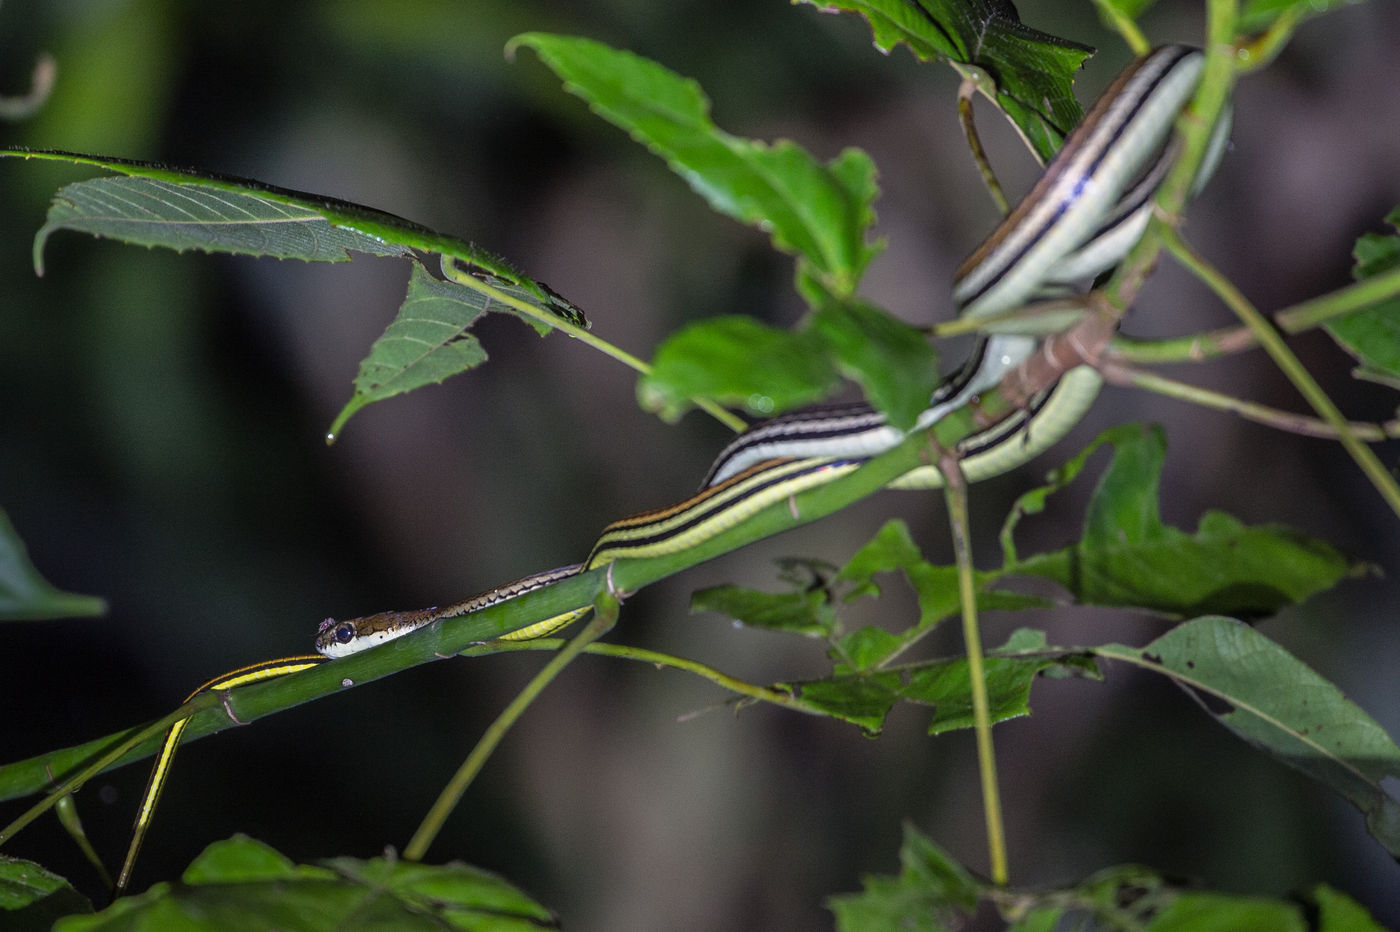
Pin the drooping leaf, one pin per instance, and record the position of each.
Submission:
(1128, 557)
(25, 595)
(933, 892)
(736, 361)
(155, 205)
(243, 884)
(1271, 699)
(1032, 70)
(151, 212)
(1373, 335)
(820, 212)
(33, 898)
(426, 343)
(893, 363)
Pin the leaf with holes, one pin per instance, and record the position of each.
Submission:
(1032, 71)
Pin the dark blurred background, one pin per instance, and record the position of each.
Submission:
(162, 415)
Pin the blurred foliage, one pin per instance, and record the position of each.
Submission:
(162, 431)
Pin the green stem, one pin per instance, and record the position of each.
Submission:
(1297, 319)
(109, 754)
(604, 617)
(1283, 357)
(1255, 55)
(1119, 375)
(1125, 26)
(657, 659)
(970, 85)
(955, 493)
(461, 277)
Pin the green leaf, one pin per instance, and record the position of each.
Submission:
(892, 362)
(1033, 71)
(1044, 919)
(1128, 557)
(892, 549)
(156, 205)
(32, 898)
(1215, 912)
(426, 343)
(1373, 335)
(933, 892)
(864, 649)
(1274, 701)
(807, 612)
(820, 212)
(27, 596)
(948, 687)
(151, 212)
(736, 361)
(1340, 913)
(1131, 10)
(865, 697)
(1260, 14)
(243, 884)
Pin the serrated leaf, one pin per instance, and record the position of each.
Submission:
(33, 898)
(244, 884)
(149, 212)
(25, 595)
(820, 212)
(1372, 335)
(1033, 71)
(1128, 557)
(156, 205)
(863, 699)
(893, 363)
(1274, 701)
(933, 892)
(948, 687)
(892, 549)
(808, 612)
(736, 361)
(426, 343)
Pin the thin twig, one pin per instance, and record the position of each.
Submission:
(604, 617)
(1126, 376)
(970, 86)
(1283, 357)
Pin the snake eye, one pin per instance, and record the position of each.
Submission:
(344, 633)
